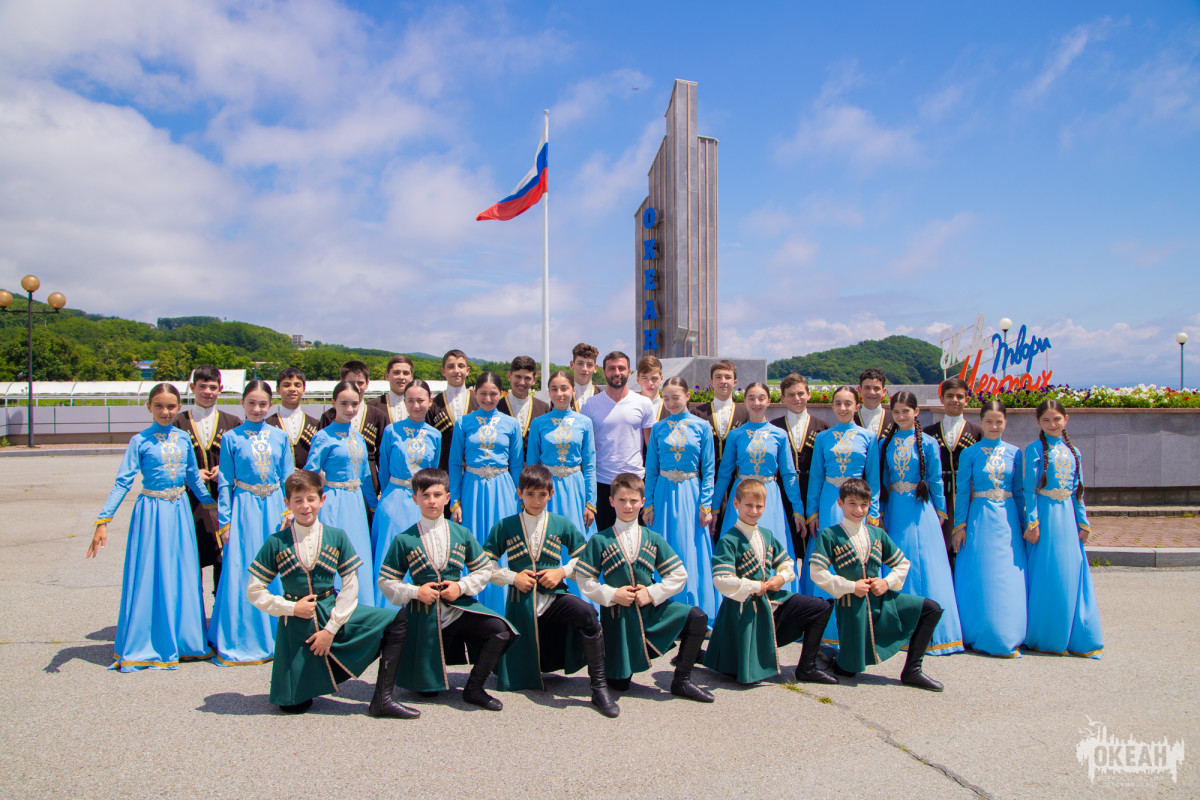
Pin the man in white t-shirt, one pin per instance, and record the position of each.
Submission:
(618, 417)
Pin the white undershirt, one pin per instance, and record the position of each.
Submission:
(307, 543)
(629, 539)
(952, 428)
(535, 538)
(360, 416)
(435, 538)
(722, 415)
(292, 421)
(205, 420)
(836, 585)
(739, 589)
(456, 401)
(520, 409)
(798, 427)
(872, 419)
(584, 390)
(397, 411)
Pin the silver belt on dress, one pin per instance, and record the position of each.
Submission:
(562, 472)
(405, 482)
(487, 473)
(351, 485)
(676, 475)
(903, 487)
(173, 494)
(258, 489)
(999, 495)
(1056, 494)
(837, 481)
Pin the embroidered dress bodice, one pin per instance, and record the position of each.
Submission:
(292, 420)
(798, 427)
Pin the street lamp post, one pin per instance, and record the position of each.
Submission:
(1005, 326)
(1182, 338)
(56, 301)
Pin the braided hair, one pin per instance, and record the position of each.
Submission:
(909, 399)
(1053, 405)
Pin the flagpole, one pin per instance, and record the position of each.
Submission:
(546, 273)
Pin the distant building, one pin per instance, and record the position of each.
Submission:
(146, 368)
(299, 342)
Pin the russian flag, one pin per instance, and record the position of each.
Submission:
(528, 191)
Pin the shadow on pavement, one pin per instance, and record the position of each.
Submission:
(99, 654)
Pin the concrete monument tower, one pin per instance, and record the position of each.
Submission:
(675, 241)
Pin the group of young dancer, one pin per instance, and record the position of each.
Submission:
(592, 527)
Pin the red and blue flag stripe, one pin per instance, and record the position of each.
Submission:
(528, 192)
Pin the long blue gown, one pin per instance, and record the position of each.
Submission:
(259, 455)
(916, 528)
(563, 440)
(406, 448)
(683, 443)
(989, 573)
(760, 450)
(340, 454)
(843, 451)
(161, 620)
(1063, 614)
(489, 441)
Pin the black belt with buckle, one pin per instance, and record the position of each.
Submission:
(321, 596)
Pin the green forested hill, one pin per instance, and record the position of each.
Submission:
(902, 358)
(77, 346)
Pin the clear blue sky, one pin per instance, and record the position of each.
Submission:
(317, 166)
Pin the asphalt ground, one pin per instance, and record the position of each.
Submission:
(1003, 727)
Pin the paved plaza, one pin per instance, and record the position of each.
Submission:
(1004, 728)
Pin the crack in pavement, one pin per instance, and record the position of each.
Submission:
(886, 735)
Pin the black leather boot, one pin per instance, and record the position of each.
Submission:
(489, 657)
(681, 684)
(593, 651)
(383, 703)
(298, 708)
(922, 636)
(619, 684)
(807, 670)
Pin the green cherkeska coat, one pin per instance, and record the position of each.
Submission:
(522, 665)
(634, 635)
(296, 674)
(870, 629)
(743, 637)
(423, 662)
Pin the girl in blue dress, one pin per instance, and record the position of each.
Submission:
(913, 514)
(758, 449)
(406, 448)
(989, 572)
(485, 465)
(161, 620)
(256, 459)
(1063, 614)
(562, 441)
(844, 451)
(339, 454)
(679, 492)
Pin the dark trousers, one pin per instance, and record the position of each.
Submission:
(475, 629)
(797, 614)
(606, 515)
(568, 611)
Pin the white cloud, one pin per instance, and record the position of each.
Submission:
(1069, 48)
(937, 105)
(924, 248)
(852, 133)
(604, 184)
(1144, 254)
(796, 252)
(588, 97)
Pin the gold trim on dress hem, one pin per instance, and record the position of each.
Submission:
(225, 663)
